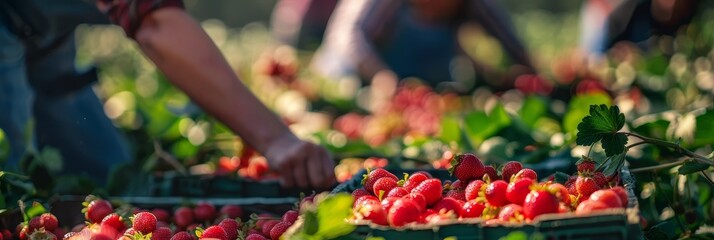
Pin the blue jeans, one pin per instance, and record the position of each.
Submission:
(72, 122)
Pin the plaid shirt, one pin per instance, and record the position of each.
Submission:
(129, 13)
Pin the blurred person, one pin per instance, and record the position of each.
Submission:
(301, 23)
(38, 81)
(383, 41)
(607, 22)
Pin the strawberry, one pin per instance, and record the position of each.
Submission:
(372, 212)
(448, 204)
(269, 226)
(414, 180)
(525, 173)
(204, 211)
(115, 221)
(49, 221)
(214, 232)
(472, 209)
(404, 211)
(389, 201)
(364, 200)
(512, 213)
(585, 186)
(382, 186)
(97, 210)
(496, 193)
(466, 167)
(509, 169)
(517, 190)
(539, 202)
(359, 192)
(418, 198)
(372, 176)
(589, 206)
(230, 226)
(290, 216)
(600, 179)
(231, 211)
(279, 230)
(255, 236)
(162, 233)
(456, 194)
(431, 189)
(182, 236)
(144, 222)
(161, 214)
(622, 193)
(608, 197)
(183, 217)
(473, 189)
(490, 171)
(585, 165)
(397, 192)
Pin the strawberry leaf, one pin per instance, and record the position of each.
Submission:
(603, 125)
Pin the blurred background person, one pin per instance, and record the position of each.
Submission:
(382, 41)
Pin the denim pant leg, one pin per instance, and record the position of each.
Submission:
(15, 97)
(75, 122)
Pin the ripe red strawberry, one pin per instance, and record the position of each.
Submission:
(622, 193)
(418, 198)
(255, 236)
(517, 190)
(431, 189)
(585, 186)
(97, 210)
(182, 236)
(414, 180)
(204, 211)
(230, 226)
(397, 192)
(34, 224)
(161, 214)
(364, 200)
(589, 206)
(268, 226)
(372, 176)
(496, 193)
(491, 172)
(608, 197)
(586, 165)
(183, 217)
(382, 186)
(372, 212)
(525, 173)
(448, 204)
(214, 232)
(512, 213)
(509, 169)
(359, 192)
(231, 211)
(162, 233)
(600, 179)
(279, 230)
(472, 209)
(456, 194)
(539, 202)
(49, 221)
(144, 222)
(389, 201)
(115, 221)
(290, 216)
(466, 167)
(473, 189)
(403, 211)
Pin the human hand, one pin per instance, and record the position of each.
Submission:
(301, 164)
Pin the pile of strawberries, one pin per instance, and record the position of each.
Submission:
(103, 222)
(514, 196)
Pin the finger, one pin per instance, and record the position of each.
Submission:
(314, 168)
(300, 172)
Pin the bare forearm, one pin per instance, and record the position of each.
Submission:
(192, 62)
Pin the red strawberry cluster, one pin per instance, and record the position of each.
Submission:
(514, 196)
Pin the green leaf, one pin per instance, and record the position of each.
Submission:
(602, 125)
(692, 167)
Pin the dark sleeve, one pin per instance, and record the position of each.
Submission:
(129, 13)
